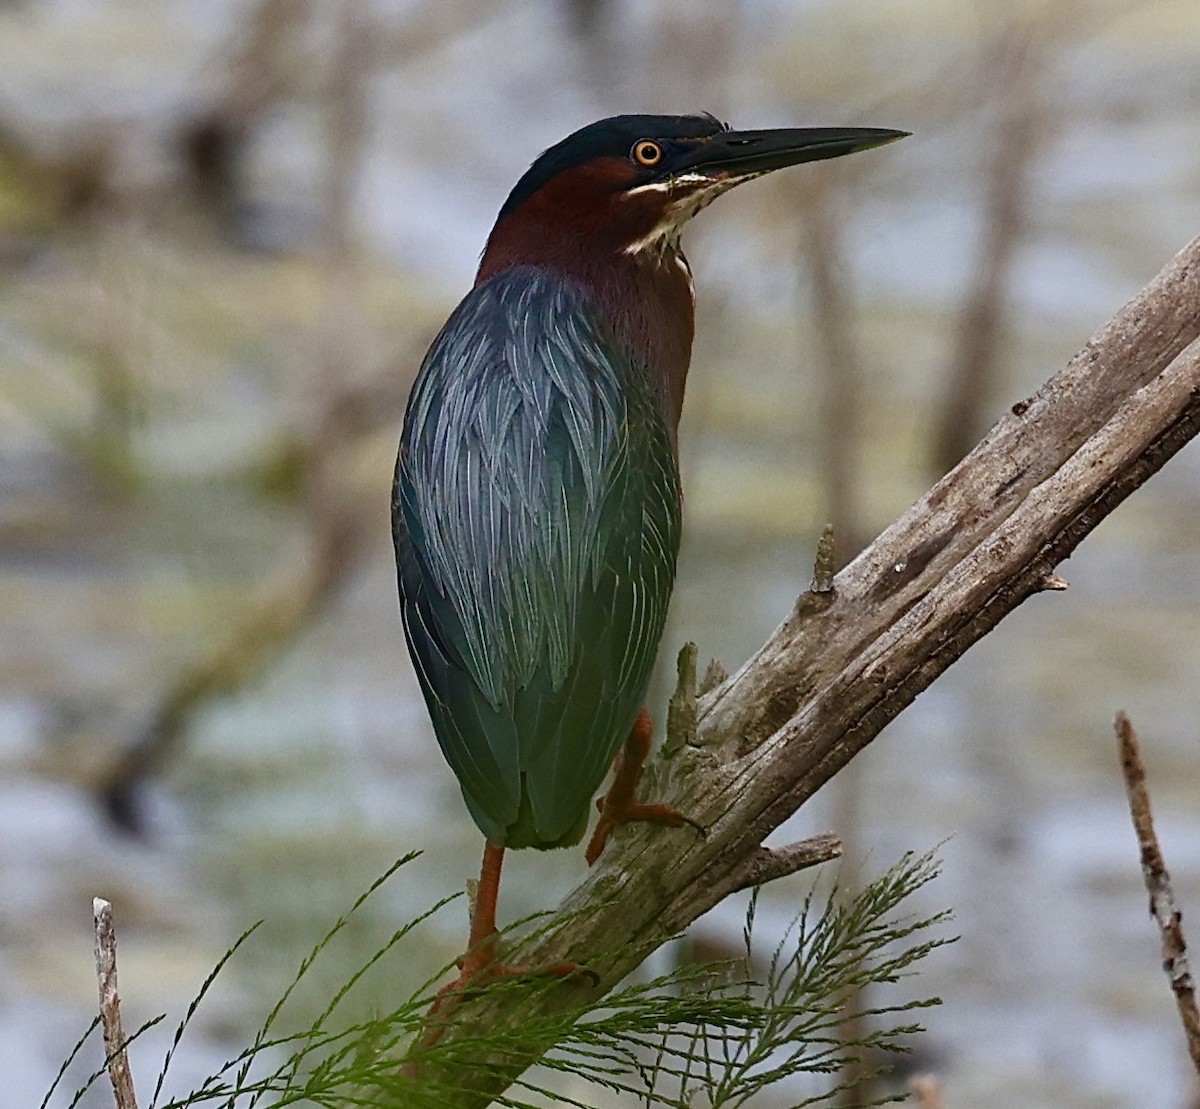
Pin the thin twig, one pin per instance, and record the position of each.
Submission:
(1158, 885)
(110, 1006)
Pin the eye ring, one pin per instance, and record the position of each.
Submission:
(646, 152)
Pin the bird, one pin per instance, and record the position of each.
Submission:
(536, 504)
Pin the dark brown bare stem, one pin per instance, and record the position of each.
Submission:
(1158, 884)
(254, 63)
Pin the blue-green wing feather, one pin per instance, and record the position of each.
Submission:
(536, 519)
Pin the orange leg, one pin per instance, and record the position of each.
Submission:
(481, 948)
(620, 804)
(479, 963)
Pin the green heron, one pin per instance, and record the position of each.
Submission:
(536, 506)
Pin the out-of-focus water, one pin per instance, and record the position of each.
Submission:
(292, 795)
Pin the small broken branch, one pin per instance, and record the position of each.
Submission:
(825, 564)
(116, 1057)
(681, 712)
(771, 863)
(1158, 884)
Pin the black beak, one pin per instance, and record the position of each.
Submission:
(750, 153)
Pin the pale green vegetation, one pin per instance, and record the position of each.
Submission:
(721, 1034)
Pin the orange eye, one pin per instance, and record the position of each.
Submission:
(646, 152)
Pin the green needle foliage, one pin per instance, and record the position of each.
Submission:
(823, 965)
(697, 1037)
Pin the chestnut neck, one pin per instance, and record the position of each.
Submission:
(645, 296)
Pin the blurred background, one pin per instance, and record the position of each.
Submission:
(228, 231)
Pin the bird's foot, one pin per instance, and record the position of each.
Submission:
(477, 968)
(620, 804)
(480, 964)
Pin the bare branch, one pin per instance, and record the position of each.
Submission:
(982, 541)
(110, 1005)
(1158, 885)
(770, 863)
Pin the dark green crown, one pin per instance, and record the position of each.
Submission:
(606, 138)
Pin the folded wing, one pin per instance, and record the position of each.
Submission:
(536, 521)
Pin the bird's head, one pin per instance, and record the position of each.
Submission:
(628, 184)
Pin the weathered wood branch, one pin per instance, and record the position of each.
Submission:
(847, 661)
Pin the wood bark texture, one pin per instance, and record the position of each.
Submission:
(846, 661)
(116, 1058)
